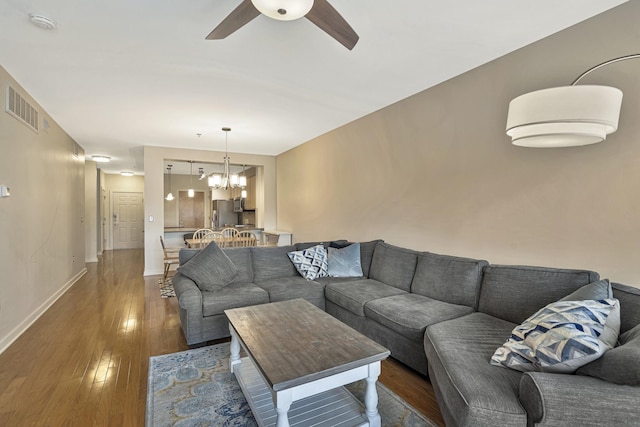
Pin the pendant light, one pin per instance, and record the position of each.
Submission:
(191, 192)
(226, 180)
(170, 195)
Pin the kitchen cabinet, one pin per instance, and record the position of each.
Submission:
(250, 201)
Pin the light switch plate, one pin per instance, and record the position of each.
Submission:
(5, 191)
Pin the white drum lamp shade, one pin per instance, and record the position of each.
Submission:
(283, 10)
(566, 116)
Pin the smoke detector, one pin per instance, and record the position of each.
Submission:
(42, 21)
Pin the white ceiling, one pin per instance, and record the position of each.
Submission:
(118, 75)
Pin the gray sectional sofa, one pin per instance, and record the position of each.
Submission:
(443, 316)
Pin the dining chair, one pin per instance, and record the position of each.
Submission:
(230, 235)
(245, 239)
(170, 259)
(213, 236)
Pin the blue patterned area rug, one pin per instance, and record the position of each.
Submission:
(195, 388)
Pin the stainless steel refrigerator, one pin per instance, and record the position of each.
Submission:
(222, 214)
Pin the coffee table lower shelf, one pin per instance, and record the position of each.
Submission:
(332, 408)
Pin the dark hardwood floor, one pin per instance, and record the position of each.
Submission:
(84, 362)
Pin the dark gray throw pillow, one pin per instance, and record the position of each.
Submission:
(211, 269)
(620, 364)
(597, 290)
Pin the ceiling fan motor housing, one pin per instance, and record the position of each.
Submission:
(283, 10)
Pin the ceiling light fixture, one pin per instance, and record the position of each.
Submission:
(100, 158)
(566, 116)
(126, 173)
(191, 192)
(42, 21)
(170, 195)
(226, 180)
(283, 10)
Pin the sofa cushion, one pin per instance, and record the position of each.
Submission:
(447, 278)
(288, 288)
(311, 263)
(410, 314)
(629, 298)
(366, 255)
(619, 365)
(514, 293)
(232, 296)
(393, 265)
(560, 337)
(241, 258)
(345, 262)
(353, 295)
(328, 280)
(210, 269)
(473, 391)
(272, 262)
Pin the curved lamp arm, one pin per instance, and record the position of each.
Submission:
(611, 61)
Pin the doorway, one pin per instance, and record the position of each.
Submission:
(128, 220)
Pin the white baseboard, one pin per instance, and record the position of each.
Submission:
(153, 272)
(91, 259)
(6, 341)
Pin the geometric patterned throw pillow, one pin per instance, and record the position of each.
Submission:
(561, 337)
(311, 263)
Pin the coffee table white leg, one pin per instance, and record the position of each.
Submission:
(283, 400)
(371, 396)
(235, 349)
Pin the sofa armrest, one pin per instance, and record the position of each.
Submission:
(577, 400)
(190, 304)
(188, 294)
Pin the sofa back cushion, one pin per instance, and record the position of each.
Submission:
(514, 293)
(448, 278)
(629, 305)
(241, 258)
(366, 255)
(393, 265)
(272, 262)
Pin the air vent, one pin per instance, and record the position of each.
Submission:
(21, 109)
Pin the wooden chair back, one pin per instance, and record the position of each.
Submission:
(245, 239)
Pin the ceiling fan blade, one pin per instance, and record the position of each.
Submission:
(236, 19)
(331, 22)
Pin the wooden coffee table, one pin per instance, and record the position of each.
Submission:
(298, 360)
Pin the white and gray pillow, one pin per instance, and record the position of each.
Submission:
(311, 263)
(345, 261)
(561, 337)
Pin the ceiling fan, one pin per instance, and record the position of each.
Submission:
(320, 12)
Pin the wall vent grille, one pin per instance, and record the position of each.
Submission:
(21, 109)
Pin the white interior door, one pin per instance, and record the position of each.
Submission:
(128, 220)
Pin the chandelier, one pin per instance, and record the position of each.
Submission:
(226, 180)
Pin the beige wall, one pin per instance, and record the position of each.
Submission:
(42, 249)
(436, 171)
(154, 193)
